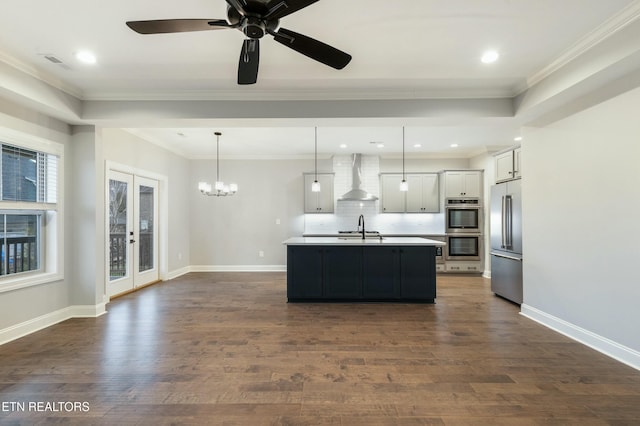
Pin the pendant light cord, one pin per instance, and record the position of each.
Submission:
(217, 156)
(316, 152)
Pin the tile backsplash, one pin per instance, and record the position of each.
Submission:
(346, 213)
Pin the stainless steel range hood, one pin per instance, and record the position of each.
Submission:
(357, 193)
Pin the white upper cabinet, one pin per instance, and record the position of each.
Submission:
(423, 195)
(463, 183)
(508, 165)
(504, 166)
(318, 202)
(393, 200)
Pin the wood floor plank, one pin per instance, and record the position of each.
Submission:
(226, 349)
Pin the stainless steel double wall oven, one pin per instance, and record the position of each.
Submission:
(464, 223)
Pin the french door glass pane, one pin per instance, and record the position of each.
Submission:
(146, 227)
(117, 229)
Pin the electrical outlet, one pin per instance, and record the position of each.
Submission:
(180, 256)
(261, 253)
(277, 221)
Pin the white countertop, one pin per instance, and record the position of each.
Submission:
(337, 241)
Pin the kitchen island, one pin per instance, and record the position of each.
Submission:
(335, 269)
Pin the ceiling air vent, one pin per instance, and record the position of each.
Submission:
(53, 59)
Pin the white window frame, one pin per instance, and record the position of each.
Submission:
(52, 226)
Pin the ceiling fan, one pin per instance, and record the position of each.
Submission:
(254, 18)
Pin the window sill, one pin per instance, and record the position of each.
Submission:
(11, 284)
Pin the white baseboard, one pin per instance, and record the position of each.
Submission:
(601, 344)
(486, 274)
(238, 268)
(31, 326)
(178, 273)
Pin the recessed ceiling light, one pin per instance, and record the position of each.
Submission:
(86, 57)
(489, 57)
(517, 138)
(454, 145)
(343, 145)
(417, 145)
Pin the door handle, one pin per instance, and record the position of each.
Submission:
(503, 223)
(509, 221)
(504, 256)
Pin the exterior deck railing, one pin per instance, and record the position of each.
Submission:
(118, 246)
(19, 254)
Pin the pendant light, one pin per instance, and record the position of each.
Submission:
(221, 190)
(315, 186)
(404, 186)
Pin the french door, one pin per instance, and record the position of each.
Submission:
(132, 245)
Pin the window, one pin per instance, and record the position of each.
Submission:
(20, 245)
(28, 213)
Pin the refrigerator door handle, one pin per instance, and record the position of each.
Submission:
(509, 221)
(503, 223)
(493, 253)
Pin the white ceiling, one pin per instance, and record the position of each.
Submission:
(401, 49)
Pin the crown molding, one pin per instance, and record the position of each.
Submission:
(41, 75)
(625, 17)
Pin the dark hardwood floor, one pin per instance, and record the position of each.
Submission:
(226, 348)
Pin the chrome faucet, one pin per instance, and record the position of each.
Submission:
(361, 221)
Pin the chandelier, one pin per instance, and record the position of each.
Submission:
(219, 189)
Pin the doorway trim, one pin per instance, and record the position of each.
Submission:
(163, 214)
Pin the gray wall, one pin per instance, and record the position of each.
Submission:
(233, 230)
(84, 212)
(581, 200)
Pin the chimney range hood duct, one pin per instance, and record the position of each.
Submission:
(357, 193)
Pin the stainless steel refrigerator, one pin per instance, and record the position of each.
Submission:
(506, 240)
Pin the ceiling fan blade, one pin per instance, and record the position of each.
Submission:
(238, 5)
(161, 26)
(249, 61)
(280, 8)
(312, 48)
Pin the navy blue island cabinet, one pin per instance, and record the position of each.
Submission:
(361, 273)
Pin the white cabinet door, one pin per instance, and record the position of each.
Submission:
(318, 202)
(473, 184)
(393, 200)
(414, 194)
(454, 184)
(430, 193)
(504, 166)
(463, 184)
